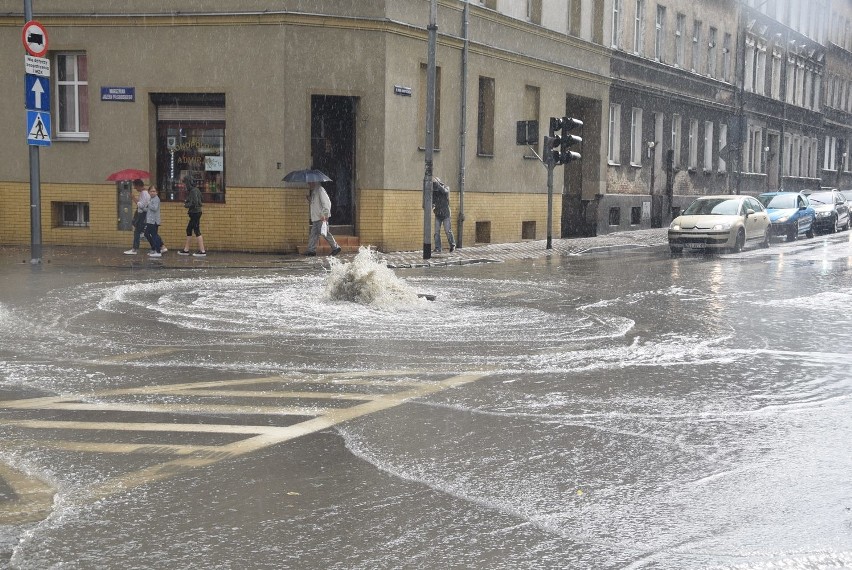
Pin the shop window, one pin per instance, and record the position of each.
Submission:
(190, 145)
(71, 214)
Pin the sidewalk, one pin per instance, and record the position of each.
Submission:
(83, 256)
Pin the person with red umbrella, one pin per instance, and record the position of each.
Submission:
(140, 199)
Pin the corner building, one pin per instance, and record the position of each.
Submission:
(233, 94)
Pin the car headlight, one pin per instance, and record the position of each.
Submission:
(823, 214)
(782, 220)
(675, 226)
(722, 226)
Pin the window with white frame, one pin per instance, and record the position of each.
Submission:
(680, 31)
(660, 35)
(708, 146)
(808, 89)
(750, 57)
(754, 150)
(72, 214)
(639, 28)
(817, 92)
(616, 24)
(614, 134)
(72, 96)
(676, 130)
(693, 143)
(775, 85)
(726, 58)
(723, 143)
(636, 137)
(760, 70)
(829, 155)
(711, 52)
(696, 47)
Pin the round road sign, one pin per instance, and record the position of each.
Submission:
(34, 37)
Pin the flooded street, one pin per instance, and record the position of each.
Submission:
(616, 410)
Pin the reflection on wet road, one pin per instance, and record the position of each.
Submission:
(630, 411)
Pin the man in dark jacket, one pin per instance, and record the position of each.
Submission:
(441, 207)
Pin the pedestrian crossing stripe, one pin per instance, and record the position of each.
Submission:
(178, 458)
(38, 128)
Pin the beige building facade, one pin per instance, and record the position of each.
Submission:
(231, 95)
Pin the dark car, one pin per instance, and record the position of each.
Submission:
(832, 210)
(791, 214)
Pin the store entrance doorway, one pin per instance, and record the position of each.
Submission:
(333, 152)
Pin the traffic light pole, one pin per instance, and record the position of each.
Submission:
(550, 165)
(430, 129)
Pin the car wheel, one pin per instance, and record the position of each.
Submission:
(834, 225)
(810, 232)
(739, 243)
(792, 233)
(765, 242)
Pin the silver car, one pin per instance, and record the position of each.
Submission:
(722, 222)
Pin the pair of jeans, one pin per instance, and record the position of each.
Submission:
(152, 234)
(138, 229)
(445, 222)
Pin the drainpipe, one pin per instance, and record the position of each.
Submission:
(463, 130)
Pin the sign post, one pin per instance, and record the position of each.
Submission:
(37, 96)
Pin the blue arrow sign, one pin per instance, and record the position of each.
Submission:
(38, 128)
(37, 93)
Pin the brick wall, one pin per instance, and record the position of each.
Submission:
(270, 219)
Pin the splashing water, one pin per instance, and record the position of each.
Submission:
(368, 281)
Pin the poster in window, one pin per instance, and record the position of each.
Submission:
(213, 163)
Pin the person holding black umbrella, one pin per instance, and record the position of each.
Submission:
(320, 210)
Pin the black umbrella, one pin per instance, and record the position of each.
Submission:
(306, 175)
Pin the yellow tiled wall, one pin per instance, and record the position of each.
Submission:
(270, 219)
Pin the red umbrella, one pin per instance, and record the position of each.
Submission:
(128, 174)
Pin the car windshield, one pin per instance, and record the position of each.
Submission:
(847, 194)
(714, 206)
(779, 201)
(822, 198)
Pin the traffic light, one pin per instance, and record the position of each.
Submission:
(566, 140)
(558, 143)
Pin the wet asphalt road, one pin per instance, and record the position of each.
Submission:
(621, 409)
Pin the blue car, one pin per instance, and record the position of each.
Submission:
(791, 214)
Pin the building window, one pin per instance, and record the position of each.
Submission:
(635, 215)
(679, 35)
(532, 102)
(614, 134)
(708, 146)
(660, 35)
(723, 143)
(711, 53)
(615, 216)
(696, 45)
(788, 151)
(693, 143)
(636, 137)
(190, 145)
(775, 87)
(754, 150)
(72, 96)
(639, 28)
(534, 11)
(485, 122)
(421, 133)
(676, 130)
(726, 58)
(72, 214)
(829, 157)
(750, 57)
(616, 24)
(760, 70)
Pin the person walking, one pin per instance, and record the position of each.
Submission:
(320, 211)
(441, 208)
(152, 223)
(140, 198)
(193, 206)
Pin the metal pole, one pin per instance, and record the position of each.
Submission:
(35, 180)
(430, 130)
(548, 162)
(463, 131)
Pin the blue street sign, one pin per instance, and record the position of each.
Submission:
(37, 93)
(38, 128)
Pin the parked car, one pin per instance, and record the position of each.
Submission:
(848, 195)
(791, 214)
(832, 210)
(720, 222)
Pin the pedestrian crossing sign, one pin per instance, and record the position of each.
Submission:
(38, 128)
